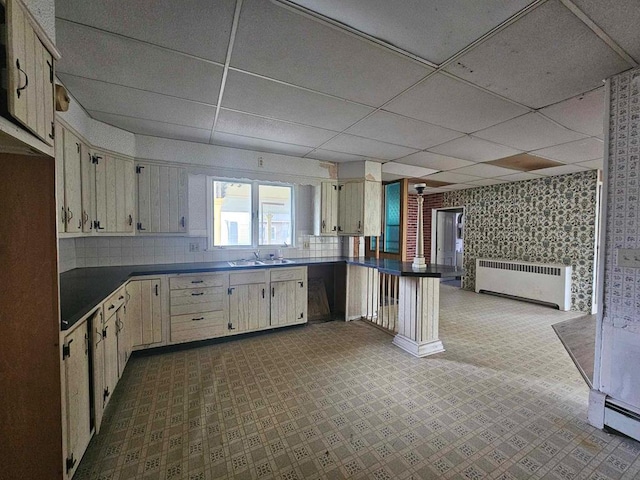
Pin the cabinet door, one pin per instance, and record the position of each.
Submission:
(329, 208)
(162, 199)
(144, 312)
(350, 208)
(248, 307)
(372, 209)
(110, 339)
(77, 394)
(72, 182)
(61, 210)
(111, 194)
(88, 173)
(100, 161)
(284, 303)
(97, 354)
(124, 339)
(129, 197)
(30, 75)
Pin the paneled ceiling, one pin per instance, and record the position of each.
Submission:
(462, 93)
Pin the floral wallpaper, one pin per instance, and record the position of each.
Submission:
(622, 285)
(546, 220)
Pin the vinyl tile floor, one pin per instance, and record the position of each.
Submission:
(337, 400)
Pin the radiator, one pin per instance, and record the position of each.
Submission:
(548, 283)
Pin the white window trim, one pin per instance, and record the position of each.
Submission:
(255, 213)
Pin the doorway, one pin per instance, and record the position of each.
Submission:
(447, 238)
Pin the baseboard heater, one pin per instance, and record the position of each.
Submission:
(622, 419)
(546, 283)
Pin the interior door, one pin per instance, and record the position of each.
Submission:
(446, 238)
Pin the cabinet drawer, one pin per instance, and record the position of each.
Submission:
(199, 281)
(194, 300)
(114, 302)
(283, 274)
(198, 326)
(249, 277)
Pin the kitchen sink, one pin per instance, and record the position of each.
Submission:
(244, 263)
(275, 261)
(270, 261)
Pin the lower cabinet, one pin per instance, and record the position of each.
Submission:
(77, 393)
(288, 296)
(110, 341)
(248, 301)
(124, 339)
(144, 312)
(97, 357)
(199, 306)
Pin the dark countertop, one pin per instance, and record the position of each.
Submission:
(82, 289)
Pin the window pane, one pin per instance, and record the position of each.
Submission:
(231, 213)
(275, 215)
(392, 217)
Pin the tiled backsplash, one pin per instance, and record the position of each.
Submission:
(106, 251)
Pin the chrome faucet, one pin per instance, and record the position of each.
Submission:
(257, 254)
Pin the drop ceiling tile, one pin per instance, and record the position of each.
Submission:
(366, 147)
(474, 149)
(108, 98)
(620, 23)
(433, 30)
(524, 162)
(529, 132)
(257, 95)
(597, 164)
(484, 170)
(434, 160)
(282, 44)
(518, 177)
(453, 177)
(329, 156)
(547, 56)
(167, 23)
(268, 129)
(584, 113)
(574, 152)
(258, 144)
(407, 171)
(442, 100)
(392, 128)
(563, 170)
(485, 182)
(125, 62)
(153, 129)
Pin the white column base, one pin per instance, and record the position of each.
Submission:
(419, 263)
(416, 349)
(595, 412)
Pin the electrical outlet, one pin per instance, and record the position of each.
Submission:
(305, 244)
(194, 247)
(260, 162)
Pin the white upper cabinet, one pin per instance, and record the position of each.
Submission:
(162, 199)
(115, 192)
(30, 72)
(359, 208)
(326, 209)
(69, 181)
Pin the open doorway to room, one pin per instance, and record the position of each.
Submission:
(447, 238)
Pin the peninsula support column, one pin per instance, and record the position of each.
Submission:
(418, 316)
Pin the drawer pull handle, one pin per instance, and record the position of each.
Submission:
(197, 281)
(121, 297)
(26, 78)
(197, 319)
(273, 292)
(263, 293)
(197, 294)
(111, 307)
(156, 288)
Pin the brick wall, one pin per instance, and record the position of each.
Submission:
(430, 202)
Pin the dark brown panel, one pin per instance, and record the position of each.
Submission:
(30, 418)
(524, 162)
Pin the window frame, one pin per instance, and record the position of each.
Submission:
(255, 213)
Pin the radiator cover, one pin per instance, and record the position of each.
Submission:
(549, 283)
